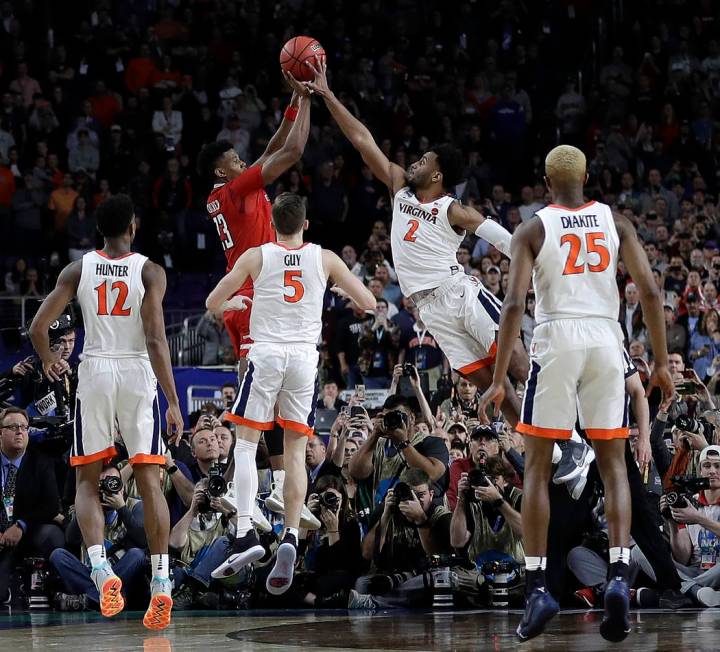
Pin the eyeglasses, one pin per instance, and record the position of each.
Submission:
(16, 427)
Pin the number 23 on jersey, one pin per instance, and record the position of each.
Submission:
(594, 244)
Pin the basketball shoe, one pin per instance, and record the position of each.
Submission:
(157, 616)
(109, 587)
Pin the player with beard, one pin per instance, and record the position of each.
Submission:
(427, 229)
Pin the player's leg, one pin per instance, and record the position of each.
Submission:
(253, 412)
(92, 448)
(510, 407)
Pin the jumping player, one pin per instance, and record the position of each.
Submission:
(427, 228)
(124, 356)
(571, 249)
(238, 203)
(289, 280)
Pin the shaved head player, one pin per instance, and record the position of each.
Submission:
(570, 250)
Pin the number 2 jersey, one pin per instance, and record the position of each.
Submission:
(288, 302)
(574, 273)
(241, 212)
(110, 294)
(423, 242)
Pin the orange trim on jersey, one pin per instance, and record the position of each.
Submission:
(249, 423)
(300, 428)
(104, 255)
(567, 208)
(143, 458)
(105, 455)
(479, 364)
(546, 433)
(607, 433)
(280, 244)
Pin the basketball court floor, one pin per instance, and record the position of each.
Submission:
(336, 631)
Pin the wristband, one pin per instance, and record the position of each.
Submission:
(291, 113)
(497, 504)
(401, 446)
(172, 469)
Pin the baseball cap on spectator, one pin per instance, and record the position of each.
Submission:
(711, 245)
(116, 128)
(484, 431)
(493, 268)
(713, 451)
(457, 425)
(668, 306)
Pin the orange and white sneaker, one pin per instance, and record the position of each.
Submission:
(109, 587)
(157, 616)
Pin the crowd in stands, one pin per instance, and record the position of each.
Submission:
(117, 96)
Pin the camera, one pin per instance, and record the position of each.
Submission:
(408, 370)
(402, 492)
(476, 478)
(110, 485)
(684, 487)
(357, 411)
(394, 420)
(217, 485)
(688, 424)
(329, 501)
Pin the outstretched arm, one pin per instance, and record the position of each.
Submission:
(392, 175)
(280, 136)
(349, 284)
(53, 306)
(473, 221)
(218, 300)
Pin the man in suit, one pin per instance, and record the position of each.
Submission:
(29, 500)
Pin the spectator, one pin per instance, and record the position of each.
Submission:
(31, 520)
(350, 330)
(391, 291)
(205, 450)
(62, 202)
(28, 204)
(464, 402)
(169, 123)
(215, 339)
(81, 231)
(419, 348)
(330, 399)
(24, 85)
(236, 134)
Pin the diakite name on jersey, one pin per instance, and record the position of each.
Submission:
(575, 221)
(416, 211)
(107, 269)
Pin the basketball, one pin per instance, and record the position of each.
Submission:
(296, 52)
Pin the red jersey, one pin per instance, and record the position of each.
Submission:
(241, 211)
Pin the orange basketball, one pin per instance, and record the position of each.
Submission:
(294, 54)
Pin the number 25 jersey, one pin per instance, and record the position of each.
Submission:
(110, 294)
(574, 273)
(288, 302)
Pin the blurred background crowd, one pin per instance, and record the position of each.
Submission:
(103, 96)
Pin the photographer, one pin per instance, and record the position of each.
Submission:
(411, 529)
(693, 524)
(464, 401)
(201, 537)
(487, 514)
(205, 450)
(395, 447)
(410, 372)
(125, 543)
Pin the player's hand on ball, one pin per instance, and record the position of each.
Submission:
(494, 394)
(320, 83)
(297, 87)
(174, 419)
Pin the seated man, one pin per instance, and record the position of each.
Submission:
(411, 528)
(29, 499)
(694, 534)
(486, 522)
(124, 544)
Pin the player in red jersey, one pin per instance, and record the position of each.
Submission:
(238, 203)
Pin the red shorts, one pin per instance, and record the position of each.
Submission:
(237, 324)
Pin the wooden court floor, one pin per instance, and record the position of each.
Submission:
(418, 631)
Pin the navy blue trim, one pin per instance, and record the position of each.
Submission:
(529, 398)
(79, 450)
(626, 412)
(490, 308)
(242, 399)
(629, 365)
(311, 417)
(155, 447)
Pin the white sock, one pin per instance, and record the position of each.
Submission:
(160, 565)
(575, 437)
(535, 563)
(619, 554)
(246, 484)
(557, 454)
(278, 476)
(97, 555)
(293, 531)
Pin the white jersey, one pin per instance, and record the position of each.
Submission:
(424, 244)
(574, 273)
(110, 294)
(288, 295)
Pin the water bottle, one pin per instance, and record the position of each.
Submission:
(442, 587)
(707, 542)
(37, 595)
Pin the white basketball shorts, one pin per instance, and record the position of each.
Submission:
(577, 371)
(463, 317)
(282, 374)
(116, 395)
